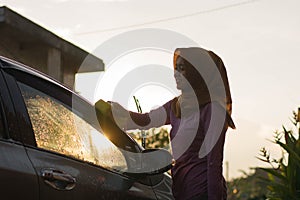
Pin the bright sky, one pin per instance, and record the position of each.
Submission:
(258, 41)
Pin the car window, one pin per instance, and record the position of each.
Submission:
(57, 128)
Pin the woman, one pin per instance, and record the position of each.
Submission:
(199, 118)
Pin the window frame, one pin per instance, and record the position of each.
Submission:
(3, 124)
(3, 90)
(10, 121)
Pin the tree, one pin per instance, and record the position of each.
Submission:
(247, 187)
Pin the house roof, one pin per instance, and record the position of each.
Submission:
(28, 33)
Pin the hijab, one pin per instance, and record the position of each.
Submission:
(211, 83)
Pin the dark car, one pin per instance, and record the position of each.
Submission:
(52, 147)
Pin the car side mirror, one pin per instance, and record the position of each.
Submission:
(156, 161)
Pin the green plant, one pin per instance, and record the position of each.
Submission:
(283, 180)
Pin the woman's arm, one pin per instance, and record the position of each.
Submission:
(128, 120)
(155, 118)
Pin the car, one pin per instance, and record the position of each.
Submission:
(52, 146)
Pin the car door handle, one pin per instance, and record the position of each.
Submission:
(58, 179)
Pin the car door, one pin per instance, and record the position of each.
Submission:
(72, 158)
(18, 179)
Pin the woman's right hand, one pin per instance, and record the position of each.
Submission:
(118, 111)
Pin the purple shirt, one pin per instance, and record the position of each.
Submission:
(192, 175)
